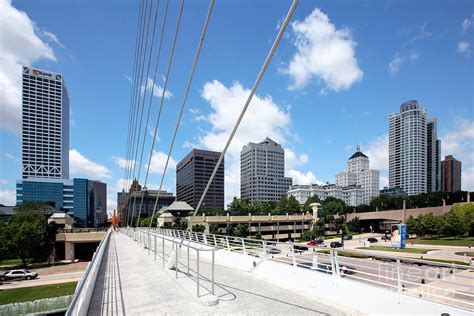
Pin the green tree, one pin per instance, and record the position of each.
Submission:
(430, 224)
(214, 229)
(293, 205)
(198, 228)
(34, 207)
(312, 199)
(241, 231)
(282, 205)
(466, 211)
(411, 224)
(319, 227)
(257, 236)
(333, 206)
(354, 225)
(453, 225)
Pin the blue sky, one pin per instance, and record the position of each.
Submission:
(341, 69)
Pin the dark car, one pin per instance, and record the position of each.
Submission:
(372, 240)
(386, 238)
(335, 244)
(348, 237)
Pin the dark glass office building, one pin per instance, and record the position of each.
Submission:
(192, 175)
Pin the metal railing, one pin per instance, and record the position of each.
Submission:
(82, 296)
(444, 283)
(169, 248)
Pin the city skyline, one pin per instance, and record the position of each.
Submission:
(318, 116)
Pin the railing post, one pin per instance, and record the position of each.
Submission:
(243, 246)
(264, 243)
(336, 263)
(215, 242)
(176, 259)
(155, 246)
(163, 243)
(188, 259)
(196, 236)
(197, 277)
(333, 266)
(399, 280)
(205, 238)
(227, 242)
(213, 253)
(293, 255)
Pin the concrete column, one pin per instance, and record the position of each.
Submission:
(69, 251)
(404, 213)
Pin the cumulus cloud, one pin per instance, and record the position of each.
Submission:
(323, 53)
(111, 203)
(8, 197)
(81, 165)
(264, 118)
(464, 48)
(158, 161)
(303, 178)
(20, 44)
(52, 38)
(400, 59)
(377, 151)
(122, 162)
(459, 142)
(3, 181)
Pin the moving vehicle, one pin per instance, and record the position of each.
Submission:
(272, 251)
(335, 244)
(386, 238)
(347, 237)
(20, 275)
(316, 242)
(372, 239)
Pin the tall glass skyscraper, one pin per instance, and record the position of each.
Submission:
(45, 125)
(413, 150)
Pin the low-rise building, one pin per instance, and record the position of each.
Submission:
(352, 195)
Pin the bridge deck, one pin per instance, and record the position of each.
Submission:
(131, 282)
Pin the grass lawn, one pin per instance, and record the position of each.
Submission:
(347, 254)
(448, 241)
(445, 261)
(408, 250)
(36, 292)
(468, 253)
(11, 262)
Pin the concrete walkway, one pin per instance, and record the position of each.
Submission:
(131, 282)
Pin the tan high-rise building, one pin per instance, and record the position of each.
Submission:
(450, 174)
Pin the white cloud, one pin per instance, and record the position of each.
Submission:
(400, 59)
(20, 44)
(464, 48)
(303, 178)
(158, 161)
(122, 162)
(157, 90)
(82, 165)
(10, 156)
(7, 197)
(324, 53)
(263, 118)
(53, 38)
(111, 203)
(377, 151)
(3, 181)
(459, 142)
(127, 77)
(467, 23)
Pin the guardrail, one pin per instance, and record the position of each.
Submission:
(448, 284)
(82, 296)
(151, 239)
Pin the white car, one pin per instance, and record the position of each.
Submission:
(20, 274)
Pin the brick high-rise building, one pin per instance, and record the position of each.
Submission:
(450, 174)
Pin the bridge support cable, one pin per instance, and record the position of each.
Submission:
(165, 85)
(149, 108)
(138, 45)
(185, 98)
(247, 103)
(138, 94)
(136, 87)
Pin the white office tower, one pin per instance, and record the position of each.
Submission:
(413, 156)
(359, 174)
(45, 125)
(262, 172)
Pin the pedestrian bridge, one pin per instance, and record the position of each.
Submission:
(143, 271)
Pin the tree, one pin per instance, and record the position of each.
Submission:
(198, 228)
(214, 229)
(282, 205)
(466, 211)
(354, 225)
(258, 236)
(332, 206)
(312, 199)
(293, 206)
(319, 227)
(241, 231)
(411, 223)
(430, 224)
(27, 236)
(34, 207)
(453, 224)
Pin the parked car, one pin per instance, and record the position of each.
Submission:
(299, 248)
(335, 244)
(386, 238)
(20, 275)
(347, 237)
(372, 240)
(316, 242)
